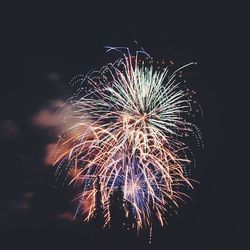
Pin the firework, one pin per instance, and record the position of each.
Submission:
(132, 116)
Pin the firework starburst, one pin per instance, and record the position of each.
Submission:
(132, 117)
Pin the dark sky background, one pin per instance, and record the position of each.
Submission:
(47, 46)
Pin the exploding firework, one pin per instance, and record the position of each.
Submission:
(132, 117)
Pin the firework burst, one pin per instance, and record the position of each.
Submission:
(132, 116)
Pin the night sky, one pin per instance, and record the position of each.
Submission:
(44, 49)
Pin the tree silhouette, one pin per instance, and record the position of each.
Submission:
(98, 212)
(130, 218)
(117, 219)
(98, 217)
(117, 210)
